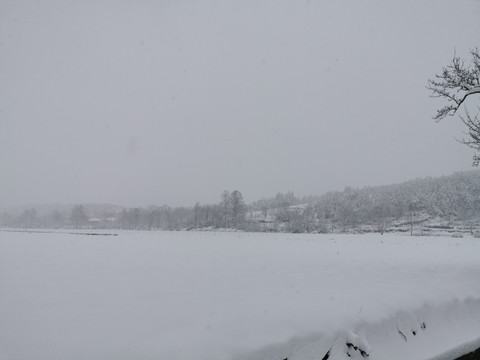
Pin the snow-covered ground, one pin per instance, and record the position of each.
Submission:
(197, 295)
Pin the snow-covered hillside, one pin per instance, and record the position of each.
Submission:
(188, 295)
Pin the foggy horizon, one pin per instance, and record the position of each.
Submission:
(147, 103)
(191, 204)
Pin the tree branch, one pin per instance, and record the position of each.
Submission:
(455, 84)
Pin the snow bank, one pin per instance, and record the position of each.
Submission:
(432, 332)
(186, 295)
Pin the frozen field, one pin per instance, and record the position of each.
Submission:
(186, 295)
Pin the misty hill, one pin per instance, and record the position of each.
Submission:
(446, 199)
(454, 197)
(93, 210)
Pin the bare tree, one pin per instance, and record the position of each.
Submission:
(238, 207)
(28, 219)
(55, 219)
(196, 214)
(457, 82)
(78, 217)
(226, 206)
(473, 134)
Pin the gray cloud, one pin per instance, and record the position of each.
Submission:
(146, 102)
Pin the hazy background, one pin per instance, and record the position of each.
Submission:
(169, 102)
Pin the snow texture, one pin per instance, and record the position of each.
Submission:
(187, 295)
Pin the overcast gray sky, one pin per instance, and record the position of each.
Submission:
(172, 102)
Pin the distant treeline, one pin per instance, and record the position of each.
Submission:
(449, 198)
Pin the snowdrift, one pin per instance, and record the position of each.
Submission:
(442, 332)
(220, 296)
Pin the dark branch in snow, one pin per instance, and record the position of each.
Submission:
(327, 355)
(402, 335)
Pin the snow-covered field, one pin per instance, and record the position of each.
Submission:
(187, 295)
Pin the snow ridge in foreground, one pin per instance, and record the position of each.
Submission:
(442, 332)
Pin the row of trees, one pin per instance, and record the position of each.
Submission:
(455, 197)
(228, 213)
(30, 218)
